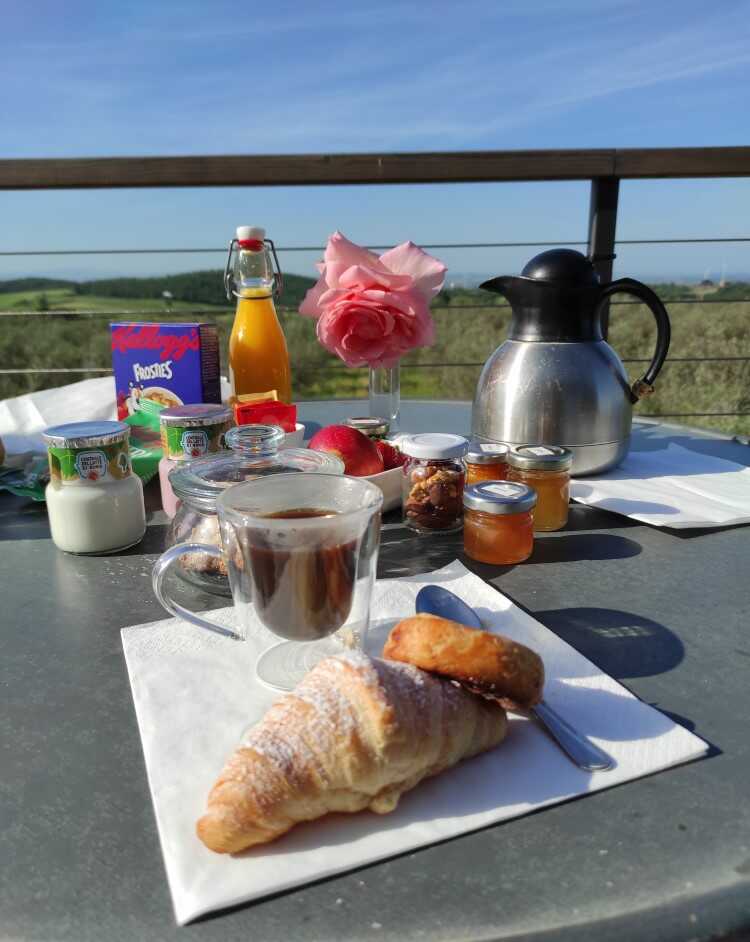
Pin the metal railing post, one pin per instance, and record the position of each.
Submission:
(602, 225)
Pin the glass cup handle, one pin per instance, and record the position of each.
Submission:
(162, 565)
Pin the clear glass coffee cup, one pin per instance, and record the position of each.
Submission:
(301, 554)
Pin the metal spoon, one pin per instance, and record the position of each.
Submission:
(435, 600)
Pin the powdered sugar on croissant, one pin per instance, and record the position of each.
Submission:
(356, 733)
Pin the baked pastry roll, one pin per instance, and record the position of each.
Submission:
(489, 664)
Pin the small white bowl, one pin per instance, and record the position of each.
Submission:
(389, 483)
(294, 439)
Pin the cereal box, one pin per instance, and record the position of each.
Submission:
(162, 365)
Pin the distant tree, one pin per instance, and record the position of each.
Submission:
(42, 302)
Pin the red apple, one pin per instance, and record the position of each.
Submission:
(357, 451)
(392, 457)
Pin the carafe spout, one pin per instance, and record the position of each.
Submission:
(498, 285)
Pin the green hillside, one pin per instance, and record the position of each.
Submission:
(195, 287)
(68, 326)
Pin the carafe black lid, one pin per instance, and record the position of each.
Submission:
(561, 265)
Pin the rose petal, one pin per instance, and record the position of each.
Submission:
(363, 277)
(329, 297)
(343, 253)
(311, 301)
(408, 259)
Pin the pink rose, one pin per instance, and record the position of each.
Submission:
(372, 310)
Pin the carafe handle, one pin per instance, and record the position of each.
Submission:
(644, 386)
(161, 567)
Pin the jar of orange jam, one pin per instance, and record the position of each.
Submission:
(498, 522)
(486, 461)
(546, 468)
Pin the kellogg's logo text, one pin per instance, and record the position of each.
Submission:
(150, 337)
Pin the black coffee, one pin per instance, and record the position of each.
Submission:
(303, 594)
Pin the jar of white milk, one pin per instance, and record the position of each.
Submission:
(94, 501)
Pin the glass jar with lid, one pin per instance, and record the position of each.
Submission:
(189, 432)
(94, 501)
(546, 468)
(486, 461)
(498, 522)
(433, 481)
(253, 452)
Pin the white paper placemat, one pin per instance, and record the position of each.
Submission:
(195, 693)
(672, 487)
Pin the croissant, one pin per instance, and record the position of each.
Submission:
(355, 733)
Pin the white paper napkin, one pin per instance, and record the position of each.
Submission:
(195, 693)
(673, 487)
(24, 418)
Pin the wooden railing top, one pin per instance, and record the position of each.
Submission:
(331, 169)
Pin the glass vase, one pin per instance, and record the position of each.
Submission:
(385, 393)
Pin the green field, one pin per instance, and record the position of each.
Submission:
(69, 327)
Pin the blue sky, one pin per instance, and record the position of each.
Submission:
(135, 78)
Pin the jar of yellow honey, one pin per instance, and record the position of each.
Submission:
(546, 468)
(486, 461)
(498, 522)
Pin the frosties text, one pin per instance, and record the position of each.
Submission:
(153, 371)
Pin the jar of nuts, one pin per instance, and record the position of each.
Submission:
(433, 481)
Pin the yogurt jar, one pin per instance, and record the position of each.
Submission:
(94, 501)
(188, 433)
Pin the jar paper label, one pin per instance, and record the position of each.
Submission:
(499, 450)
(181, 441)
(194, 442)
(540, 450)
(502, 490)
(89, 465)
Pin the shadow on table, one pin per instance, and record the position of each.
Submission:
(22, 519)
(690, 533)
(651, 438)
(585, 517)
(623, 505)
(573, 547)
(618, 506)
(622, 644)
(153, 542)
(404, 553)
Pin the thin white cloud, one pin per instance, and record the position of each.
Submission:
(422, 85)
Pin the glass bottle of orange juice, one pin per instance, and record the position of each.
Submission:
(258, 356)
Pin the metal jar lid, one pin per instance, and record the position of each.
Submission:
(434, 446)
(540, 458)
(198, 415)
(85, 434)
(500, 497)
(370, 425)
(486, 452)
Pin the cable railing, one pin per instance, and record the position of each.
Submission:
(603, 168)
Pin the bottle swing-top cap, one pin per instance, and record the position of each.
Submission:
(251, 237)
